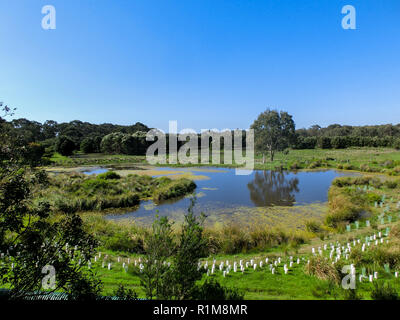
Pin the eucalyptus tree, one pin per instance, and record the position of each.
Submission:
(273, 131)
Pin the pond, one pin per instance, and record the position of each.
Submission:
(263, 196)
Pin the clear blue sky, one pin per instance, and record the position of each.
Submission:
(205, 63)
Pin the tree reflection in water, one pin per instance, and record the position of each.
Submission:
(270, 188)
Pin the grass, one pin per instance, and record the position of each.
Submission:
(351, 202)
(78, 192)
(381, 160)
(299, 283)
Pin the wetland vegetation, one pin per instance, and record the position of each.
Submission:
(235, 240)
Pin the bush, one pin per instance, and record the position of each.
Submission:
(123, 241)
(338, 142)
(109, 175)
(315, 164)
(391, 184)
(384, 292)
(322, 269)
(396, 144)
(174, 189)
(345, 205)
(213, 290)
(313, 226)
(324, 143)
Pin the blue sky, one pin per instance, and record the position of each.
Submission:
(205, 63)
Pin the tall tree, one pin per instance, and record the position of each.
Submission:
(273, 131)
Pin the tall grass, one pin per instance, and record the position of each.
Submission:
(233, 239)
(78, 192)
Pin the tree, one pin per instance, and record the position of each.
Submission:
(171, 269)
(154, 274)
(33, 241)
(273, 131)
(34, 153)
(91, 144)
(396, 144)
(185, 263)
(65, 145)
(112, 143)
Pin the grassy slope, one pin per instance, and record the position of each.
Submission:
(262, 284)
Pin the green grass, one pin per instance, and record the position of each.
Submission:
(384, 160)
(78, 192)
(261, 284)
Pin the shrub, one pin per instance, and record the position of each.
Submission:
(373, 197)
(213, 290)
(391, 184)
(123, 241)
(351, 294)
(109, 175)
(338, 142)
(384, 292)
(315, 164)
(174, 189)
(313, 226)
(324, 143)
(366, 168)
(396, 144)
(322, 269)
(345, 205)
(348, 166)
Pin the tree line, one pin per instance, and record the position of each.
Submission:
(274, 131)
(68, 137)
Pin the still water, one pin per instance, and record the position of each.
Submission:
(223, 193)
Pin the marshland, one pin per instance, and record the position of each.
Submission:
(111, 188)
(271, 234)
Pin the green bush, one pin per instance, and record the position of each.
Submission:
(109, 175)
(396, 144)
(123, 241)
(391, 184)
(384, 292)
(313, 226)
(174, 189)
(213, 290)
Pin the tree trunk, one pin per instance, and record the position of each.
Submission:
(263, 161)
(272, 155)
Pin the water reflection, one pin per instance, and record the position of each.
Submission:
(270, 188)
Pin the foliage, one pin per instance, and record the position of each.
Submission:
(173, 189)
(384, 291)
(121, 143)
(65, 145)
(273, 131)
(322, 269)
(211, 289)
(31, 239)
(191, 247)
(91, 144)
(345, 205)
(124, 294)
